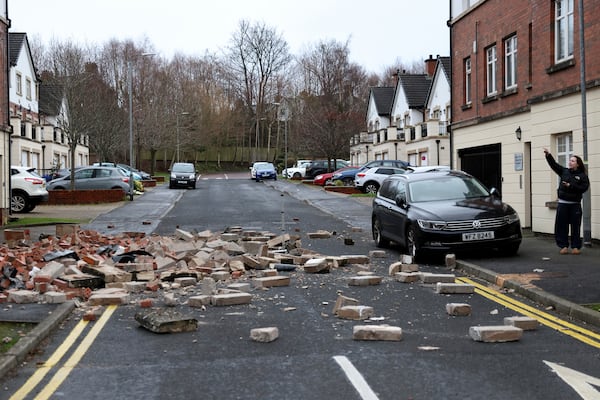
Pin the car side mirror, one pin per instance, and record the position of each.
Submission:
(495, 193)
(401, 202)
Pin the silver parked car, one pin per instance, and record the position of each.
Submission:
(94, 178)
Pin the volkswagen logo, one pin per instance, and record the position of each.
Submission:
(476, 224)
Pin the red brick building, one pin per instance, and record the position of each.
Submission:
(516, 78)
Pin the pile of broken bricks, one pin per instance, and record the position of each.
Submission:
(134, 268)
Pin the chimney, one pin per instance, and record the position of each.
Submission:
(430, 65)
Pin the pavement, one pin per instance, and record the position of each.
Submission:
(565, 283)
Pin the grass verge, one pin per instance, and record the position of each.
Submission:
(33, 221)
(11, 332)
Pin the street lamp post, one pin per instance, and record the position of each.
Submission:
(129, 90)
(177, 128)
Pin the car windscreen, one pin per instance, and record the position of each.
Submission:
(446, 188)
(265, 167)
(183, 168)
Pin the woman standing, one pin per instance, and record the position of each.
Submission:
(573, 184)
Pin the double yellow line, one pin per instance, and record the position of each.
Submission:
(584, 335)
(58, 354)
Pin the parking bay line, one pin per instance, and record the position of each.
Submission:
(79, 352)
(584, 335)
(356, 379)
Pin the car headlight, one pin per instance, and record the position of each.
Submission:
(434, 225)
(511, 218)
(173, 175)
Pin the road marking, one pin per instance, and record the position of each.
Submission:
(583, 335)
(580, 382)
(39, 374)
(356, 379)
(79, 352)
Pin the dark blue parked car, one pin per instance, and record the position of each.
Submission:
(265, 171)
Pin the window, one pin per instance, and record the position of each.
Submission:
(468, 80)
(563, 30)
(491, 70)
(28, 89)
(564, 149)
(510, 62)
(19, 84)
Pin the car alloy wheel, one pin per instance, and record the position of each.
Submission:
(380, 241)
(371, 187)
(18, 203)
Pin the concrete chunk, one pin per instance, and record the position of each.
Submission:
(23, 296)
(264, 335)
(199, 301)
(454, 288)
(342, 301)
(107, 297)
(166, 321)
(377, 332)
(495, 333)
(525, 323)
(316, 265)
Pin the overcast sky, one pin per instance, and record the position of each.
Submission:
(380, 32)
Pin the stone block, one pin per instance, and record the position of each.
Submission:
(357, 313)
(135, 287)
(458, 309)
(240, 286)
(230, 299)
(185, 281)
(107, 297)
(435, 278)
(409, 268)
(270, 281)
(525, 323)
(320, 234)
(454, 288)
(377, 332)
(394, 268)
(408, 277)
(316, 265)
(342, 301)
(450, 260)
(220, 275)
(55, 297)
(198, 301)
(495, 333)
(23, 296)
(377, 254)
(356, 259)
(264, 335)
(368, 280)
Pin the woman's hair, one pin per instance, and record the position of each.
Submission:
(580, 164)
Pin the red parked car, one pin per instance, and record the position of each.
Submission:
(323, 179)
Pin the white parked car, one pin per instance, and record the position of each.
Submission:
(298, 171)
(370, 180)
(28, 189)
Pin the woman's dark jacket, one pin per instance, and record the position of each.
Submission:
(577, 180)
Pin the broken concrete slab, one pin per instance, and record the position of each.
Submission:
(454, 288)
(458, 309)
(230, 299)
(357, 313)
(367, 280)
(166, 321)
(525, 323)
(270, 281)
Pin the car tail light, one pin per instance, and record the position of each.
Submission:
(360, 175)
(125, 179)
(35, 181)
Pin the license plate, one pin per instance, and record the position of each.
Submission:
(477, 236)
(182, 182)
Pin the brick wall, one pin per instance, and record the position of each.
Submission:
(85, 196)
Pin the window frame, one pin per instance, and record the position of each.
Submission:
(468, 83)
(510, 62)
(19, 83)
(563, 40)
(491, 68)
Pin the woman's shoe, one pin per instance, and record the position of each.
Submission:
(564, 250)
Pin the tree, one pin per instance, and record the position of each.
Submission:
(256, 55)
(333, 99)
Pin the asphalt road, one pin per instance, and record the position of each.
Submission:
(315, 356)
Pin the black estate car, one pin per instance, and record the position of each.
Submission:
(443, 211)
(183, 174)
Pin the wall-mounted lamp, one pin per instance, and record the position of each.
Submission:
(518, 133)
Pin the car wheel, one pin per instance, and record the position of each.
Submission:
(296, 175)
(348, 181)
(412, 248)
(19, 203)
(371, 187)
(380, 240)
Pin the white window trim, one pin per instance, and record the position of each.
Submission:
(510, 62)
(563, 40)
(19, 83)
(491, 65)
(468, 77)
